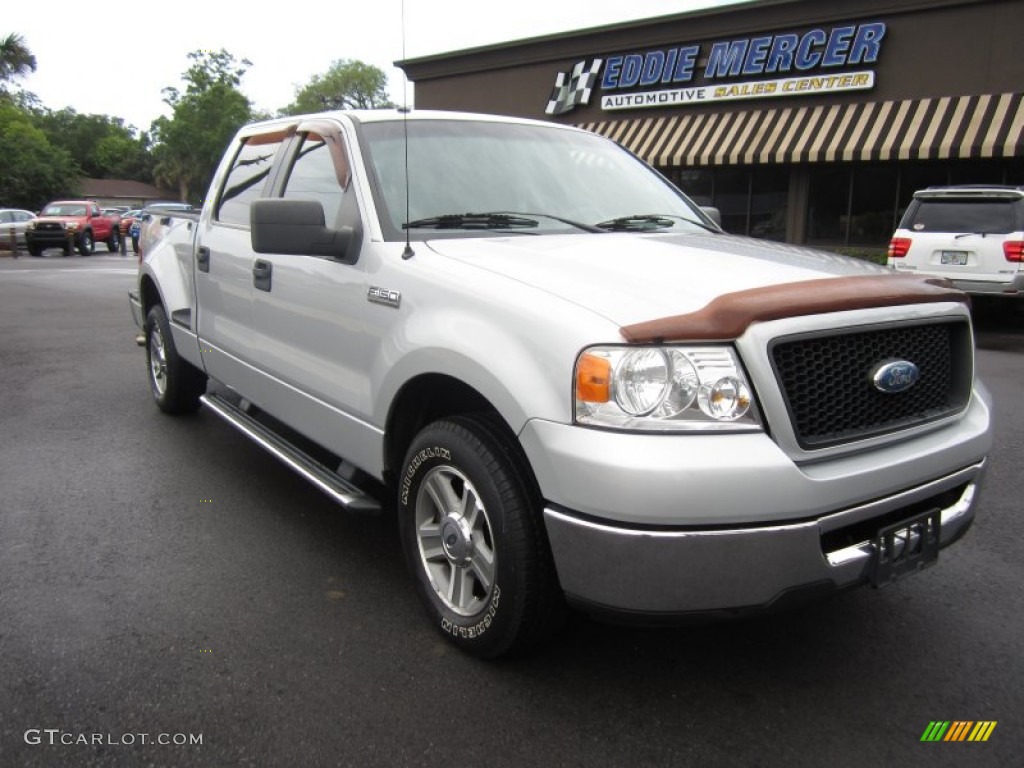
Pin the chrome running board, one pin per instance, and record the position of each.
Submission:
(348, 495)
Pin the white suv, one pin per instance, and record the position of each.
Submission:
(972, 235)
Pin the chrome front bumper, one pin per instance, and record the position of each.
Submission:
(654, 572)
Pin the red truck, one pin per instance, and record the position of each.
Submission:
(71, 224)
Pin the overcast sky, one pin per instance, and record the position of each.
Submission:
(114, 58)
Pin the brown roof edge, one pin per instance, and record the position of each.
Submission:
(729, 316)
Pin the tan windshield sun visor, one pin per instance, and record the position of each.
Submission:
(729, 315)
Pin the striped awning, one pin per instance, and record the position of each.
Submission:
(951, 127)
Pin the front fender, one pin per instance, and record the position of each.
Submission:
(523, 365)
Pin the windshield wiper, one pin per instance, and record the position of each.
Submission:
(570, 222)
(968, 234)
(645, 221)
(471, 221)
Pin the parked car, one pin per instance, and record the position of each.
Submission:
(972, 235)
(127, 219)
(71, 224)
(18, 219)
(147, 214)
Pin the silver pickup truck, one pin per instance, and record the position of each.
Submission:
(561, 375)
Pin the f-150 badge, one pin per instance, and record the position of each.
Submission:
(383, 296)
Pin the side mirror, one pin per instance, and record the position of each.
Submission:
(712, 213)
(296, 227)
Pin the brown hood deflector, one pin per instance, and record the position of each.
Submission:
(728, 316)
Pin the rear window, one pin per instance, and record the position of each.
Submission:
(989, 216)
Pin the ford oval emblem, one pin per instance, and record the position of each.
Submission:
(895, 376)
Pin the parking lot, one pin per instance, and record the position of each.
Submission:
(172, 595)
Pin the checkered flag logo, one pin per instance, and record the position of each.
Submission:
(573, 88)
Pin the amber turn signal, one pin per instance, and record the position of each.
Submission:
(593, 379)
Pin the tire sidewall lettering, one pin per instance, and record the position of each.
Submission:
(479, 627)
(422, 456)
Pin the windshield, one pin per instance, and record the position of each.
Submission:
(528, 179)
(64, 209)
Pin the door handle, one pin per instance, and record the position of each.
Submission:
(261, 274)
(203, 259)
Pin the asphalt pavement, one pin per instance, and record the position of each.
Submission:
(170, 594)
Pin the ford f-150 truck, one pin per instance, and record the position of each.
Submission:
(567, 382)
(71, 224)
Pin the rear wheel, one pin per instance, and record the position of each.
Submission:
(473, 537)
(114, 241)
(176, 384)
(85, 243)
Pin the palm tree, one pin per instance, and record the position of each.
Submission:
(16, 60)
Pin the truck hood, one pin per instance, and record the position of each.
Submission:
(629, 278)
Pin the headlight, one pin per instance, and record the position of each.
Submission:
(71, 226)
(664, 388)
(30, 225)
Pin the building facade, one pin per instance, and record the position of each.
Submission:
(802, 121)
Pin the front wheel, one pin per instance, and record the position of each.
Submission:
(473, 537)
(176, 384)
(85, 244)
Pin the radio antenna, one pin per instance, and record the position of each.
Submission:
(408, 253)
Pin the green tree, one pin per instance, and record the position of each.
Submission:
(104, 147)
(347, 84)
(32, 170)
(16, 60)
(188, 145)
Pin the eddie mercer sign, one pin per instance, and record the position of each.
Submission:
(815, 61)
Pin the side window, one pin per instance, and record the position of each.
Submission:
(95, 211)
(247, 178)
(313, 176)
(6, 216)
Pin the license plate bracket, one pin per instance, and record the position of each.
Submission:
(906, 547)
(954, 258)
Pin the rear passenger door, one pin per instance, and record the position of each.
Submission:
(224, 262)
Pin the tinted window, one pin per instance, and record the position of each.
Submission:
(989, 216)
(313, 177)
(247, 178)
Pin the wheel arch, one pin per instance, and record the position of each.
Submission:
(149, 294)
(427, 398)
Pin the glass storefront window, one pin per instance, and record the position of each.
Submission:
(769, 202)
(698, 184)
(732, 198)
(828, 203)
(873, 205)
(847, 204)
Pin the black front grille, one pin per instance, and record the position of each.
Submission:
(49, 226)
(827, 380)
